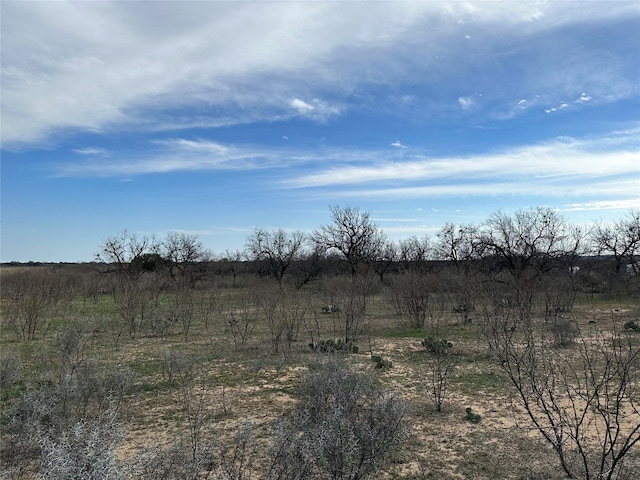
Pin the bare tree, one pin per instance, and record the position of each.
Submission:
(128, 259)
(277, 250)
(233, 260)
(383, 261)
(525, 246)
(184, 256)
(353, 234)
(621, 241)
(458, 246)
(457, 243)
(586, 407)
(129, 256)
(414, 253)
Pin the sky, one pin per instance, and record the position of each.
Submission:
(216, 118)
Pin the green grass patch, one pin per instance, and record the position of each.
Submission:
(472, 382)
(146, 367)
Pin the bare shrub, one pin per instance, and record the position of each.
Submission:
(583, 404)
(559, 294)
(57, 421)
(292, 312)
(182, 309)
(87, 449)
(268, 299)
(564, 331)
(208, 306)
(173, 461)
(410, 296)
(344, 427)
(180, 368)
(348, 299)
(30, 297)
(440, 364)
(241, 322)
(237, 460)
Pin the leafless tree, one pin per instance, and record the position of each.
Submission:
(353, 234)
(457, 244)
(414, 252)
(584, 403)
(233, 259)
(184, 256)
(385, 258)
(277, 249)
(621, 241)
(128, 258)
(524, 247)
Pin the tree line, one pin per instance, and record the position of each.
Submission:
(526, 242)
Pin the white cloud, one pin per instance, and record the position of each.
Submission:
(616, 153)
(618, 204)
(96, 151)
(99, 66)
(565, 167)
(301, 106)
(397, 144)
(466, 102)
(561, 158)
(508, 188)
(584, 98)
(315, 109)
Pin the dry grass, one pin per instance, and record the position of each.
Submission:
(252, 384)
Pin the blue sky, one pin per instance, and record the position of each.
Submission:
(218, 117)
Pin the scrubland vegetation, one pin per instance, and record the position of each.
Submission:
(508, 349)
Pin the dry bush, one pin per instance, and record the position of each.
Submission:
(584, 403)
(30, 296)
(344, 427)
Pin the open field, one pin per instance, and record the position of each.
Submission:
(215, 361)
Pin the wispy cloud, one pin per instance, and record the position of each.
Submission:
(397, 144)
(97, 151)
(466, 102)
(618, 204)
(104, 66)
(607, 166)
(167, 156)
(497, 188)
(616, 154)
(315, 109)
